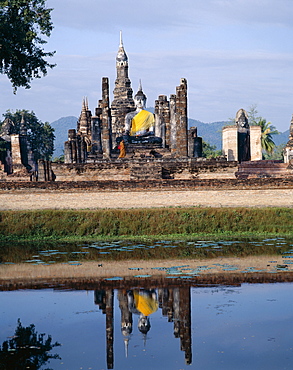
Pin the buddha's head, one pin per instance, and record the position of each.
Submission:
(126, 328)
(144, 324)
(140, 98)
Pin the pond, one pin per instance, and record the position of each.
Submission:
(245, 326)
(48, 253)
(177, 321)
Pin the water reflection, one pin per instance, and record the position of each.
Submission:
(217, 327)
(175, 304)
(27, 349)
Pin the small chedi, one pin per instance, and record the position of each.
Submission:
(288, 150)
(242, 142)
(16, 158)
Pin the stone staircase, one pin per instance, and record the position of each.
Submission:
(266, 168)
(146, 171)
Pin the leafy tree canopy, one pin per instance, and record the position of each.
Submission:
(40, 135)
(210, 151)
(276, 154)
(26, 350)
(267, 129)
(22, 57)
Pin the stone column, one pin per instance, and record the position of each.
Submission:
(173, 129)
(157, 119)
(70, 147)
(162, 116)
(181, 119)
(45, 171)
(255, 143)
(194, 143)
(15, 150)
(230, 143)
(96, 132)
(106, 134)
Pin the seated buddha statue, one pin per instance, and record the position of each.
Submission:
(139, 124)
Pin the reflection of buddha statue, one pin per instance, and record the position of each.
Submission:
(144, 303)
(139, 124)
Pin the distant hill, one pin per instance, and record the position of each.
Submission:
(282, 138)
(210, 132)
(61, 126)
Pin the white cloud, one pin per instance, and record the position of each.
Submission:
(234, 53)
(108, 14)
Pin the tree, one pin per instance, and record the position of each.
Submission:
(39, 135)
(210, 151)
(27, 349)
(267, 129)
(253, 117)
(22, 57)
(276, 154)
(60, 159)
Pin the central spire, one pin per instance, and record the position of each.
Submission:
(123, 101)
(121, 58)
(121, 41)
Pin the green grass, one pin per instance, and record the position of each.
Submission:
(169, 223)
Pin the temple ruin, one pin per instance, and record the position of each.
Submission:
(121, 140)
(95, 137)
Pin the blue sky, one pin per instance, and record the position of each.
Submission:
(233, 53)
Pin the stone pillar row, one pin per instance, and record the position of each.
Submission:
(94, 134)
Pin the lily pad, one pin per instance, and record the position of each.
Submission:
(142, 276)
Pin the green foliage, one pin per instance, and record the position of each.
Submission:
(22, 57)
(210, 151)
(276, 154)
(253, 117)
(267, 130)
(60, 159)
(27, 349)
(40, 135)
(73, 224)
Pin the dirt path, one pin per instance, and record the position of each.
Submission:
(42, 199)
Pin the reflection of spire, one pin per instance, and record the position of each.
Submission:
(144, 340)
(126, 318)
(110, 328)
(126, 343)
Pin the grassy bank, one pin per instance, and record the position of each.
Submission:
(90, 224)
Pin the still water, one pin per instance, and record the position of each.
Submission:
(248, 326)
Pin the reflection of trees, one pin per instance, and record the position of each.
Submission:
(26, 349)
